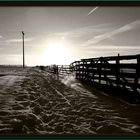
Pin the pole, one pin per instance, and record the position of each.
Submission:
(23, 50)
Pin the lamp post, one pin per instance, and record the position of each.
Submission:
(23, 50)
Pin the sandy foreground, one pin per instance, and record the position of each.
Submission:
(36, 102)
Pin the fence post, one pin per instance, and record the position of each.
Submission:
(77, 69)
(137, 73)
(99, 69)
(92, 63)
(117, 70)
(82, 70)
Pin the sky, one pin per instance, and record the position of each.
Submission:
(61, 35)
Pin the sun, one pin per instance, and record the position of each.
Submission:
(56, 48)
(55, 53)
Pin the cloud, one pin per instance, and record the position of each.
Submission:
(98, 51)
(92, 11)
(105, 48)
(1, 36)
(127, 27)
(10, 59)
(84, 31)
(18, 40)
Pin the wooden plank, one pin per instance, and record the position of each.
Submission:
(107, 72)
(113, 58)
(124, 65)
(112, 80)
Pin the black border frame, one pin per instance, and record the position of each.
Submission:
(69, 2)
(30, 3)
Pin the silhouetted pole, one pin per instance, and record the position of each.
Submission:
(23, 50)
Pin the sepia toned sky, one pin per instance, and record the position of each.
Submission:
(61, 35)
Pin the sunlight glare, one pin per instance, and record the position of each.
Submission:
(55, 53)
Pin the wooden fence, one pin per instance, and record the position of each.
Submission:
(64, 70)
(61, 70)
(122, 72)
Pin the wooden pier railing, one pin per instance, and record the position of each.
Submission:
(122, 72)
